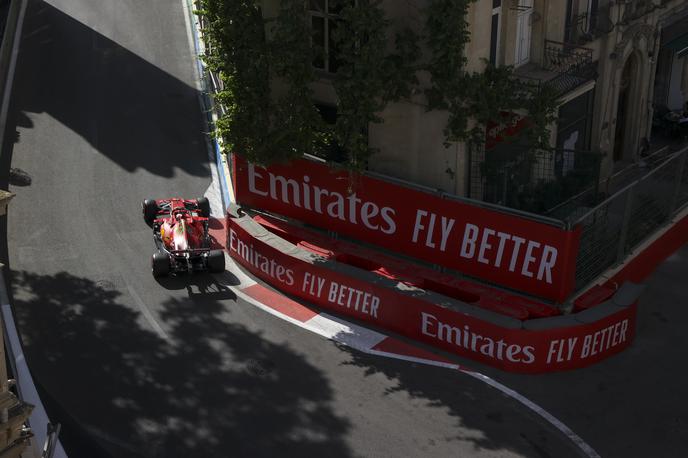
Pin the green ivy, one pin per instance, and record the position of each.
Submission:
(251, 53)
(239, 53)
(266, 69)
(478, 96)
(368, 78)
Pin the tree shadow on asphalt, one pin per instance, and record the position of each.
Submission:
(635, 403)
(129, 110)
(212, 388)
(504, 426)
(203, 286)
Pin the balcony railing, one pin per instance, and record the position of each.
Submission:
(564, 67)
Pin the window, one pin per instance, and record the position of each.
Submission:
(574, 123)
(581, 20)
(324, 18)
(494, 34)
(591, 24)
(523, 32)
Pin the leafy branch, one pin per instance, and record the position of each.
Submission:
(266, 66)
(480, 97)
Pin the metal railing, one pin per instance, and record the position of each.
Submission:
(532, 180)
(571, 209)
(617, 226)
(610, 229)
(572, 64)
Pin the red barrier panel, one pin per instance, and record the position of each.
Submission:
(508, 250)
(516, 350)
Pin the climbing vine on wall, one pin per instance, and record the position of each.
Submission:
(368, 77)
(476, 99)
(266, 68)
(254, 55)
(251, 56)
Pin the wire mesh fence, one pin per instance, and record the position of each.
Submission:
(600, 238)
(534, 180)
(614, 228)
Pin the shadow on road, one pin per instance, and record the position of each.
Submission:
(202, 285)
(503, 426)
(214, 389)
(129, 110)
(634, 404)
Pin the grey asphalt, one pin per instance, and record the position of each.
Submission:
(634, 404)
(104, 114)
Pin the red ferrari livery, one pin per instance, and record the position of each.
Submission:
(180, 232)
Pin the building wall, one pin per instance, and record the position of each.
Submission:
(411, 140)
(634, 42)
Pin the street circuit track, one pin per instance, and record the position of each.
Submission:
(104, 114)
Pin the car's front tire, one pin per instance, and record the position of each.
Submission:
(216, 261)
(160, 264)
(150, 210)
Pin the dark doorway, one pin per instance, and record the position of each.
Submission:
(622, 118)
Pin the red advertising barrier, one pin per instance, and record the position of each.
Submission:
(505, 249)
(516, 350)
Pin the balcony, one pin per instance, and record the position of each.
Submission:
(564, 67)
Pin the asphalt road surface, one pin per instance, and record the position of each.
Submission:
(104, 114)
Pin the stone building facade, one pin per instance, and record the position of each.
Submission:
(613, 64)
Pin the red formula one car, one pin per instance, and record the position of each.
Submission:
(180, 232)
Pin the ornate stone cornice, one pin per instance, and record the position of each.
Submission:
(634, 33)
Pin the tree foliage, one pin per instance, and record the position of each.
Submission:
(238, 52)
(480, 97)
(250, 54)
(266, 68)
(368, 77)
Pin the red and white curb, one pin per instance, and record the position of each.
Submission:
(373, 342)
(333, 328)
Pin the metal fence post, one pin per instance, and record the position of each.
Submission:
(621, 250)
(677, 186)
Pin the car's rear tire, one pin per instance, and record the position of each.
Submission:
(216, 261)
(203, 207)
(150, 210)
(160, 264)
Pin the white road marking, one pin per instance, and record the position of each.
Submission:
(190, 38)
(26, 387)
(147, 314)
(213, 191)
(341, 331)
(364, 339)
(10, 74)
(347, 333)
(551, 419)
(414, 359)
(244, 280)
